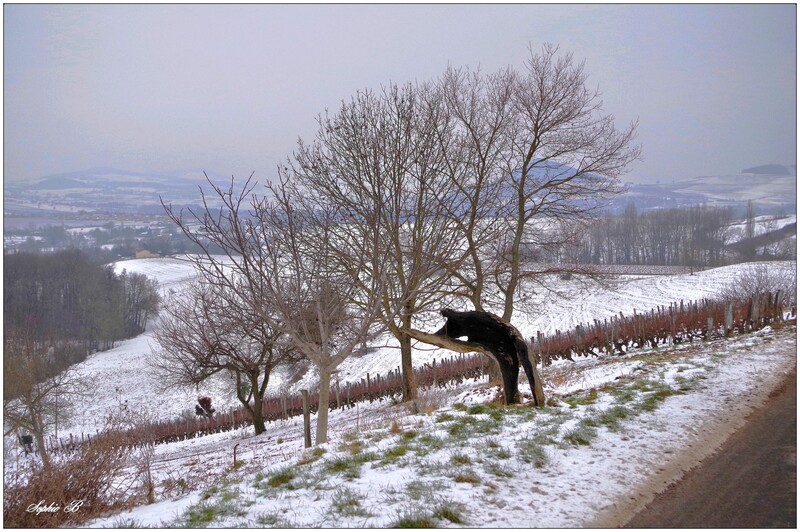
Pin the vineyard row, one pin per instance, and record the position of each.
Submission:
(678, 323)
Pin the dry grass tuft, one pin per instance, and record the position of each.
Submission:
(77, 487)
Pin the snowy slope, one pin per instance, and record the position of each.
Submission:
(122, 374)
(487, 477)
(526, 469)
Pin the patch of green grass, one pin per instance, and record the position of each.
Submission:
(415, 495)
(450, 511)
(311, 456)
(624, 394)
(229, 496)
(580, 435)
(611, 417)
(498, 469)
(349, 466)
(418, 490)
(280, 478)
(652, 394)
(495, 450)
(467, 426)
(272, 520)
(200, 515)
(347, 503)
(409, 434)
(531, 451)
(204, 513)
(687, 384)
(590, 420)
(414, 519)
(445, 417)
(426, 444)
(460, 407)
(460, 459)
(581, 398)
(652, 401)
(484, 409)
(394, 454)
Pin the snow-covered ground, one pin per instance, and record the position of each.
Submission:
(122, 374)
(613, 425)
(619, 429)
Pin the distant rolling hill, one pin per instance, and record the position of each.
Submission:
(107, 190)
(772, 188)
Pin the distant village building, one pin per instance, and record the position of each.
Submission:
(142, 253)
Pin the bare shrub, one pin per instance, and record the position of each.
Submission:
(82, 484)
(762, 278)
(429, 400)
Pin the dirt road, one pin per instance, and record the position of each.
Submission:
(750, 482)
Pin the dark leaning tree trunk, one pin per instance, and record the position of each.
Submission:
(488, 333)
(258, 413)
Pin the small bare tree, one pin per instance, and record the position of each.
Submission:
(761, 278)
(34, 400)
(327, 294)
(566, 154)
(207, 330)
(282, 256)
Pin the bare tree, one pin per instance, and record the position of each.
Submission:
(756, 280)
(379, 159)
(326, 287)
(207, 330)
(34, 399)
(473, 133)
(282, 257)
(566, 155)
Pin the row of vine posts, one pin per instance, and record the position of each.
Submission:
(666, 325)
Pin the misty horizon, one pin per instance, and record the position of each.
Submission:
(230, 89)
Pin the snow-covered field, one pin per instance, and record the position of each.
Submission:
(620, 430)
(518, 467)
(122, 374)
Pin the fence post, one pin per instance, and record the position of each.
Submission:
(754, 312)
(306, 419)
(729, 319)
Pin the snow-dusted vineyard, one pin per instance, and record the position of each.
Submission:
(620, 430)
(557, 467)
(122, 374)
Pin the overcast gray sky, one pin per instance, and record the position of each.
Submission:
(229, 89)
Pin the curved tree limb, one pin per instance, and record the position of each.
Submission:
(445, 342)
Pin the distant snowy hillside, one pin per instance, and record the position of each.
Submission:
(771, 188)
